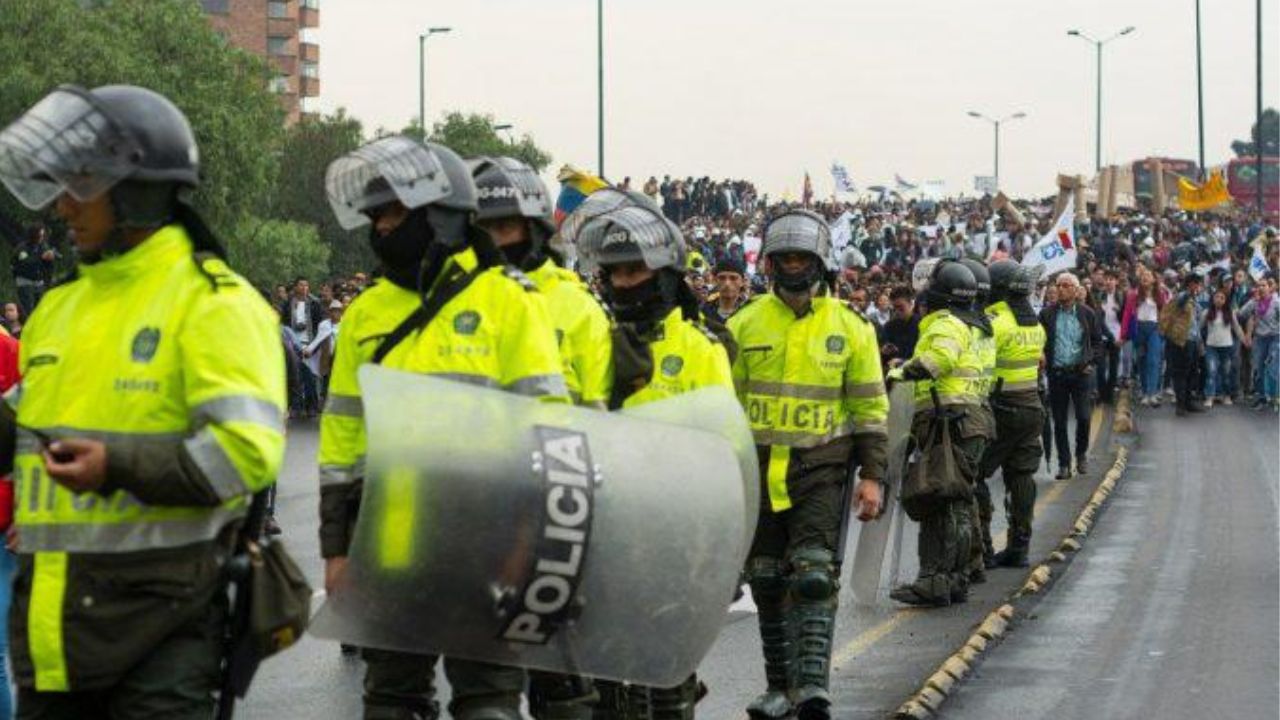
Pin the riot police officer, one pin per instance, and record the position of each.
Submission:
(981, 552)
(948, 378)
(808, 373)
(659, 350)
(447, 306)
(138, 437)
(516, 210)
(1019, 413)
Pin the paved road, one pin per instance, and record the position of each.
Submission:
(1172, 610)
(882, 651)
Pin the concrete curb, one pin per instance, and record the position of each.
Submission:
(926, 701)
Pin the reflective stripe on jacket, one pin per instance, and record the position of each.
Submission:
(945, 351)
(176, 365)
(1018, 349)
(806, 381)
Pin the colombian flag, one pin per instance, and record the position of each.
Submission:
(575, 186)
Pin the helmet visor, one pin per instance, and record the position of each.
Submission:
(631, 234)
(800, 231)
(509, 188)
(64, 144)
(394, 168)
(922, 274)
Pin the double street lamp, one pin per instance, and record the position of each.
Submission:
(422, 75)
(1098, 45)
(996, 124)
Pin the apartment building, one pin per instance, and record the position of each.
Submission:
(283, 32)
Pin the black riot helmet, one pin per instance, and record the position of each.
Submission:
(799, 231)
(944, 284)
(982, 277)
(1009, 279)
(564, 242)
(631, 233)
(127, 141)
(123, 139)
(638, 234)
(429, 180)
(508, 188)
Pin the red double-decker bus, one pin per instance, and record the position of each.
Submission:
(1242, 183)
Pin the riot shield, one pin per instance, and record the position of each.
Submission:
(496, 527)
(718, 412)
(868, 559)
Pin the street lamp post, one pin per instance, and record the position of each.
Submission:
(1257, 123)
(422, 75)
(600, 87)
(1098, 46)
(1200, 94)
(507, 128)
(996, 124)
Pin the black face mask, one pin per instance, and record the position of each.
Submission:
(637, 303)
(401, 251)
(520, 255)
(797, 282)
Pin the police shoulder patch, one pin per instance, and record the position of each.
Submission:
(520, 278)
(216, 270)
(672, 365)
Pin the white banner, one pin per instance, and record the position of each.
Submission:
(840, 174)
(1056, 251)
(985, 184)
(842, 232)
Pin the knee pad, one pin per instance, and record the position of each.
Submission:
(813, 574)
(767, 577)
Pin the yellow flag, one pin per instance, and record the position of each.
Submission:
(1203, 197)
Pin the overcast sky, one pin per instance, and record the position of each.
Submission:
(765, 90)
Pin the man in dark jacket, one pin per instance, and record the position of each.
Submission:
(302, 313)
(1073, 341)
(33, 268)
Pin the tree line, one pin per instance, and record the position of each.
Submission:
(263, 181)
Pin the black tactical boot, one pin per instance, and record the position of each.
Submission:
(768, 588)
(814, 589)
(1012, 556)
(674, 703)
(931, 591)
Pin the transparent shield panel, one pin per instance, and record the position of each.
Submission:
(873, 539)
(499, 528)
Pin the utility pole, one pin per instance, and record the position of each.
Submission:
(1204, 173)
(600, 87)
(1257, 123)
(1097, 156)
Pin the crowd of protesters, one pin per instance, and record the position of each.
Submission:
(1179, 314)
(1180, 317)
